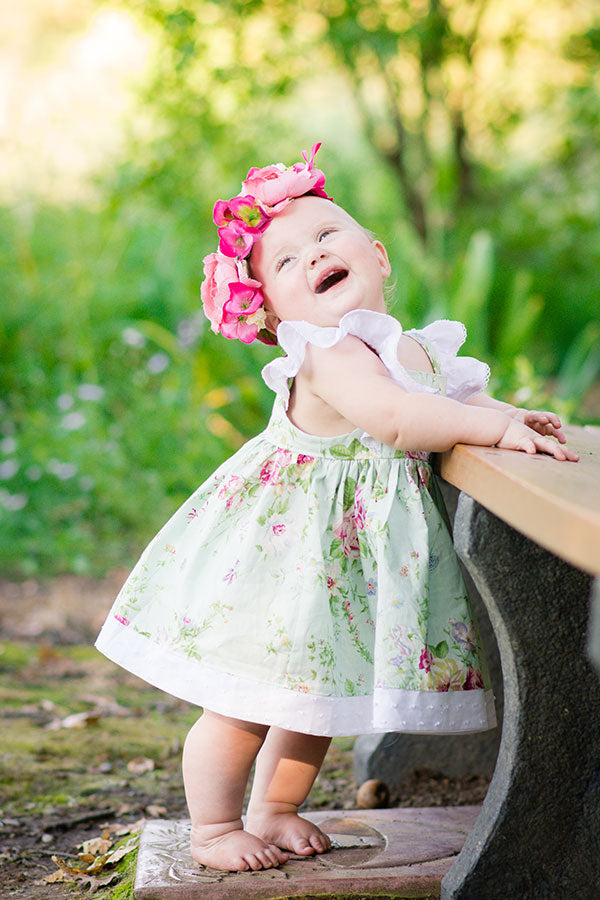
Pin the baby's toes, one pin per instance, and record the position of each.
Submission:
(253, 861)
(265, 858)
(277, 854)
(320, 842)
(303, 847)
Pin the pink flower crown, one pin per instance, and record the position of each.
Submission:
(232, 301)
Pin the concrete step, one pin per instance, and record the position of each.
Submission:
(399, 853)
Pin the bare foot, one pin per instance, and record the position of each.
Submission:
(233, 849)
(290, 832)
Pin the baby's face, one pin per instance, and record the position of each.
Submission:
(316, 263)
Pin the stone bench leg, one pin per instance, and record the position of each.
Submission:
(538, 832)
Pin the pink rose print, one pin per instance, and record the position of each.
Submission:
(303, 459)
(269, 474)
(304, 689)
(359, 510)
(424, 474)
(278, 529)
(473, 680)
(193, 514)
(371, 587)
(233, 491)
(426, 660)
(330, 582)
(346, 532)
(122, 620)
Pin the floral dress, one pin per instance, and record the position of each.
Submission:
(311, 582)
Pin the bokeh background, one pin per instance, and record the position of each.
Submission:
(464, 133)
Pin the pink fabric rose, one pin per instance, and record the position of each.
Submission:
(245, 208)
(244, 302)
(236, 239)
(229, 299)
(275, 186)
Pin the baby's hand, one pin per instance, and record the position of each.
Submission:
(542, 422)
(519, 436)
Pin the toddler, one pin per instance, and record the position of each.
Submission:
(309, 588)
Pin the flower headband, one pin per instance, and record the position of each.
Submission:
(231, 299)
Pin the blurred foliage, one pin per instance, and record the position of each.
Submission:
(463, 133)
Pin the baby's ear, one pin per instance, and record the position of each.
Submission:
(382, 256)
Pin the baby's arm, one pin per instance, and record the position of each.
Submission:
(541, 421)
(354, 381)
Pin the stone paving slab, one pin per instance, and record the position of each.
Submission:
(399, 853)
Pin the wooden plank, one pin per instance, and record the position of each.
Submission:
(556, 504)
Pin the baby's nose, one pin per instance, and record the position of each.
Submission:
(316, 258)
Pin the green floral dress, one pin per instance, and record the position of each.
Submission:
(311, 582)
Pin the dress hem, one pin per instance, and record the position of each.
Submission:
(387, 709)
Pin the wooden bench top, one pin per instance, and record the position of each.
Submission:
(556, 504)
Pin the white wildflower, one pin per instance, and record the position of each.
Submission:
(64, 471)
(73, 420)
(65, 402)
(13, 502)
(8, 445)
(133, 338)
(158, 363)
(8, 468)
(90, 392)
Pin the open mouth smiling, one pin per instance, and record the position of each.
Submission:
(330, 280)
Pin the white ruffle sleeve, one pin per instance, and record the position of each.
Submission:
(378, 330)
(465, 375)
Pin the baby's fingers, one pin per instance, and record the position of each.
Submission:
(547, 445)
(545, 423)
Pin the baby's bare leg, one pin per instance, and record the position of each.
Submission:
(217, 757)
(286, 768)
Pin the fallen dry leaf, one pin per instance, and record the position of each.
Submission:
(75, 720)
(155, 811)
(120, 852)
(95, 846)
(140, 764)
(132, 828)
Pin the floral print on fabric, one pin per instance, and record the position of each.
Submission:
(324, 559)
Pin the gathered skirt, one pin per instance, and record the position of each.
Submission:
(309, 583)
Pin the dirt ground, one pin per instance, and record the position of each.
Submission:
(88, 751)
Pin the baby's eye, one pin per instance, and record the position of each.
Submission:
(281, 263)
(324, 233)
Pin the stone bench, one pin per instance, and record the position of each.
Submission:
(527, 529)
